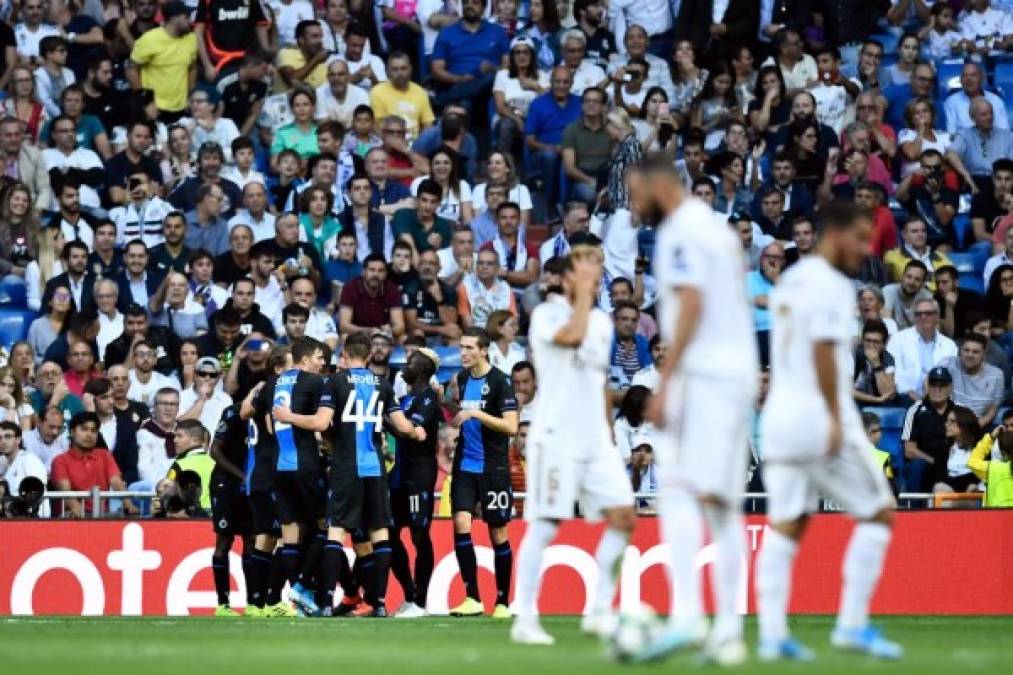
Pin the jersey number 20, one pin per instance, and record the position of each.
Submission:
(371, 413)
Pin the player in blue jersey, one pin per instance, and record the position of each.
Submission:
(357, 497)
(480, 481)
(265, 575)
(299, 477)
(230, 510)
(413, 481)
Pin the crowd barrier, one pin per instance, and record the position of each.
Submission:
(940, 562)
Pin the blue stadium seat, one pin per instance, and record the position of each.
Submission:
(948, 76)
(891, 421)
(889, 60)
(14, 325)
(965, 261)
(13, 292)
(962, 227)
(1003, 78)
(889, 42)
(972, 281)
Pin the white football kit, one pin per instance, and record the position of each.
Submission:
(814, 303)
(570, 453)
(709, 399)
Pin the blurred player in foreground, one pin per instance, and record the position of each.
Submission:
(571, 453)
(814, 441)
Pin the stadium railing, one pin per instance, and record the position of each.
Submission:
(754, 500)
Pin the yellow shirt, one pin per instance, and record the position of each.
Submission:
(412, 106)
(896, 260)
(164, 62)
(291, 56)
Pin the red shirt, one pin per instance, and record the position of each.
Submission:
(884, 231)
(85, 470)
(399, 160)
(368, 311)
(75, 383)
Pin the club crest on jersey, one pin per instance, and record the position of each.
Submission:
(485, 390)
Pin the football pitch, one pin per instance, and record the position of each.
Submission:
(192, 646)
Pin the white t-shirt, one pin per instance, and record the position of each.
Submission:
(588, 75)
(145, 393)
(82, 159)
(979, 27)
(942, 144)
(211, 413)
(518, 194)
(329, 108)
(697, 249)
(253, 176)
(517, 96)
(811, 303)
(27, 42)
(288, 16)
(833, 105)
(450, 207)
(577, 424)
(261, 230)
(374, 62)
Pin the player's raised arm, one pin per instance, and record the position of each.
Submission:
(404, 427)
(584, 265)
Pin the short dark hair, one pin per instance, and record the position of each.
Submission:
(917, 264)
(840, 215)
(625, 304)
(262, 249)
(51, 44)
(294, 309)
(948, 270)
(70, 246)
(480, 335)
(227, 316)
(82, 418)
(875, 326)
(1004, 164)
(98, 386)
(16, 428)
(192, 428)
(431, 188)
(241, 143)
(303, 26)
(373, 257)
(974, 337)
(522, 365)
(508, 205)
(305, 347)
(358, 345)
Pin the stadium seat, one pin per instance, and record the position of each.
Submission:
(889, 42)
(891, 421)
(962, 227)
(14, 325)
(1003, 78)
(966, 261)
(972, 281)
(888, 60)
(948, 76)
(13, 292)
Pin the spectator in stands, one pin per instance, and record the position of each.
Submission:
(430, 304)
(995, 471)
(249, 367)
(106, 260)
(586, 147)
(24, 159)
(66, 158)
(204, 401)
(156, 444)
(19, 464)
(221, 342)
(187, 356)
(914, 246)
(397, 95)
(164, 60)
(44, 330)
(901, 297)
(731, 194)
(623, 290)
(389, 195)
(1003, 257)
(76, 278)
(918, 349)
(451, 130)
(293, 257)
(243, 98)
(109, 317)
(630, 351)
(932, 194)
(85, 465)
(576, 219)
(759, 284)
(459, 258)
(422, 227)
(172, 255)
(136, 328)
(145, 380)
(210, 157)
(548, 116)
(143, 216)
(47, 440)
(81, 367)
(300, 134)
(504, 351)
(205, 226)
(173, 307)
(518, 260)
(803, 236)
(773, 221)
(874, 366)
(133, 160)
(976, 384)
(465, 73)
(514, 89)
(924, 432)
(117, 432)
(987, 204)
(797, 198)
(585, 73)
(372, 301)
(17, 243)
(320, 324)
(999, 302)
(951, 473)
(630, 422)
(254, 213)
(501, 170)
(456, 200)
(920, 134)
(525, 384)
(692, 165)
(959, 105)
(981, 324)
(483, 291)
(649, 376)
(798, 69)
(955, 303)
(977, 148)
(119, 378)
(82, 327)
(68, 218)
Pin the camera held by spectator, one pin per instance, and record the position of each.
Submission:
(26, 503)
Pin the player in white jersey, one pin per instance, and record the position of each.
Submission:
(571, 455)
(814, 442)
(709, 379)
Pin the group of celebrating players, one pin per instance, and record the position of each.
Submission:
(307, 494)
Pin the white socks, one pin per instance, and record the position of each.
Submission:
(729, 536)
(773, 584)
(682, 530)
(863, 564)
(529, 566)
(609, 557)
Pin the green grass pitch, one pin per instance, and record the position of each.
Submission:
(196, 646)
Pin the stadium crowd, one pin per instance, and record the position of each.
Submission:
(188, 186)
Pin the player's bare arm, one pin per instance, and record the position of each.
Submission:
(318, 421)
(506, 425)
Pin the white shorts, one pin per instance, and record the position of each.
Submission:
(704, 445)
(558, 479)
(850, 477)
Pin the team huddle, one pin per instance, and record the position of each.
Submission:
(305, 455)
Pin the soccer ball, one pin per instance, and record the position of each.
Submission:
(634, 632)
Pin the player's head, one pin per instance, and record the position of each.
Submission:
(580, 254)
(474, 347)
(421, 366)
(308, 355)
(280, 359)
(356, 351)
(654, 180)
(189, 434)
(845, 234)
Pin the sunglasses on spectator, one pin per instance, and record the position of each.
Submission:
(207, 374)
